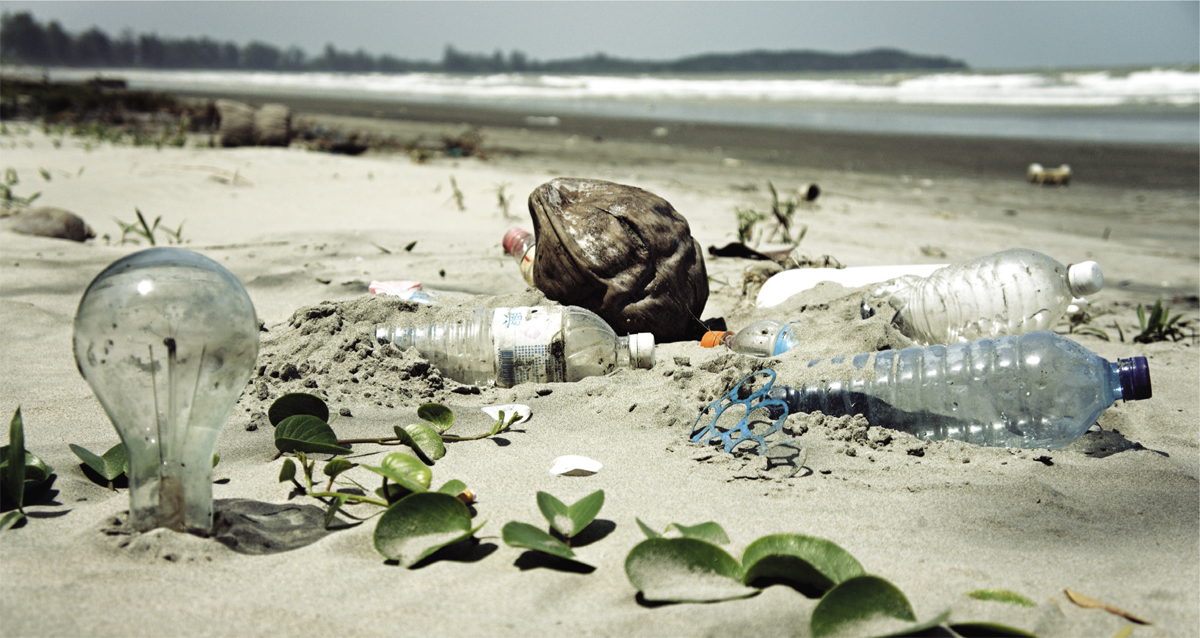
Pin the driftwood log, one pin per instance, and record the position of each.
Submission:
(243, 125)
(49, 222)
(621, 252)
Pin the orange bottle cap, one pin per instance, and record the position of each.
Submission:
(713, 338)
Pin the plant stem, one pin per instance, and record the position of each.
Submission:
(350, 497)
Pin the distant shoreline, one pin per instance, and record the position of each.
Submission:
(1171, 167)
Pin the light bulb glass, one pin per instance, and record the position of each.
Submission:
(167, 339)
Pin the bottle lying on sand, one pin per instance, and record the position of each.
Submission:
(1028, 391)
(1007, 293)
(766, 338)
(521, 244)
(507, 346)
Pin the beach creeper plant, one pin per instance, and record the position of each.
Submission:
(686, 564)
(22, 475)
(417, 521)
(566, 523)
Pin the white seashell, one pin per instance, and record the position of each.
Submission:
(573, 465)
(509, 409)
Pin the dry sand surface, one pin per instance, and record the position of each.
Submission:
(1114, 517)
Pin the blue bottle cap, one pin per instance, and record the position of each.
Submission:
(1135, 379)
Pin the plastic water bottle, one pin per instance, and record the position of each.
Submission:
(507, 346)
(521, 244)
(766, 338)
(1035, 390)
(1007, 293)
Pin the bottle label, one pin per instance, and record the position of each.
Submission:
(528, 345)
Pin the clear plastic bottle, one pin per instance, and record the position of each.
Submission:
(1007, 293)
(1035, 390)
(521, 244)
(507, 346)
(766, 338)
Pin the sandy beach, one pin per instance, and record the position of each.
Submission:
(1115, 516)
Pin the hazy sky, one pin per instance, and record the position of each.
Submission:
(986, 35)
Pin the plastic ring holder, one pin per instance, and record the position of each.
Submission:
(743, 431)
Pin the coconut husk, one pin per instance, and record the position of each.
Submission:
(50, 222)
(621, 252)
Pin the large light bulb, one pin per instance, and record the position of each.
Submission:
(167, 339)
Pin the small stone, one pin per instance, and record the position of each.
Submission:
(344, 412)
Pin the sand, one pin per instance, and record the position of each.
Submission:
(1114, 516)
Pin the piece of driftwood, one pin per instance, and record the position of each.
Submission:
(1038, 174)
(237, 123)
(622, 252)
(273, 125)
(50, 222)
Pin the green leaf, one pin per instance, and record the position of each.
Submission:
(709, 531)
(305, 433)
(556, 513)
(527, 536)
(453, 487)
(807, 563)
(420, 524)
(437, 414)
(404, 470)
(335, 467)
(650, 533)
(424, 440)
(337, 503)
(216, 459)
(109, 466)
(858, 600)
(988, 629)
(14, 472)
(584, 511)
(8, 519)
(288, 471)
(297, 403)
(684, 570)
(1001, 596)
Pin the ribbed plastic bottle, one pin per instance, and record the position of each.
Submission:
(507, 346)
(521, 244)
(1006, 293)
(1035, 390)
(766, 338)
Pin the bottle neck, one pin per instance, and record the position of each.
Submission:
(624, 358)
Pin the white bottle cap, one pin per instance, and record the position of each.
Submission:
(641, 350)
(1085, 278)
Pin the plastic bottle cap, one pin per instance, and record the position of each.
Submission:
(1135, 379)
(1085, 278)
(512, 236)
(641, 350)
(713, 338)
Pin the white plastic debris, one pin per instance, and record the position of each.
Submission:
(509, 409)
(574, 465)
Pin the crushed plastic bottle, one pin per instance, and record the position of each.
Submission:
(1007, 293)
(521, 245)
(1035, 390)
(507, 346)
(765, 338)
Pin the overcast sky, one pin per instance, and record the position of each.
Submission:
(986, 35)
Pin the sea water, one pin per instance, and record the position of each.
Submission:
(1145, 105)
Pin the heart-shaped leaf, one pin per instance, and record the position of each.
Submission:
(569, 521)
(858, 600)
(1001, 596)
(335, 467)
(109, 466)
(404, 470)
(424, 440)
(453, 487)
(420, 524)
(14, 460)
(437, 414)
(527, 536)
(306, 433)
(709, 531)
(297, 403)
(647, 530)
(808, 563)
(684, 570)
(287, 471)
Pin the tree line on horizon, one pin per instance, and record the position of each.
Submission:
(24, 40)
